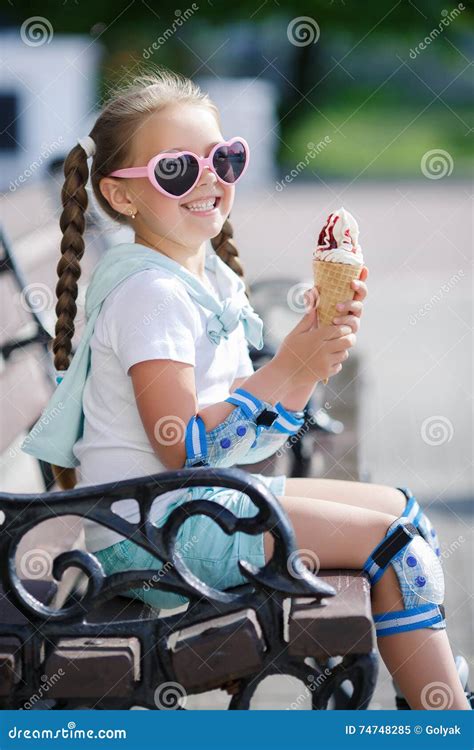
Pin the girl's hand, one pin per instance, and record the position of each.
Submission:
(351, 310)
(311, 352)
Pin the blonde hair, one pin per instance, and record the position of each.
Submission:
(112, 133)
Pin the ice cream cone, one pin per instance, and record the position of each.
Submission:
(333, 281)
(337, 260)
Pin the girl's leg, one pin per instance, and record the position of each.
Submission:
(338, 535)
(423, 665)
(373, 496)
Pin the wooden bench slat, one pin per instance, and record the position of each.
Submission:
(342, 626)
(206, 655)
(93, 668)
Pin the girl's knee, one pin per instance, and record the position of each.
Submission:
(386, 594)
(367, 538)
(379, 528)
(392, 500)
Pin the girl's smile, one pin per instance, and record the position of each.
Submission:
(205, 206)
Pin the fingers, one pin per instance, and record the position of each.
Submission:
(339, 357)
(330, 332)
(334, 369)
(352, 321)
(360, 288)
(348, 307)
(342, 343)
(311, 297)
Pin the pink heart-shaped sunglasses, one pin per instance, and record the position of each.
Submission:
(176, 173)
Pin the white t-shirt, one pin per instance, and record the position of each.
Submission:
(149, 315)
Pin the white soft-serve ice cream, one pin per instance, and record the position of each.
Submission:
(338, 240)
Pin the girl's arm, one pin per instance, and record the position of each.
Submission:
(165, 392)
(294, 399)
(165, 389)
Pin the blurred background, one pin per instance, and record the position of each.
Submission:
(366, 106)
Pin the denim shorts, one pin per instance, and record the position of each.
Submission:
(206, 549)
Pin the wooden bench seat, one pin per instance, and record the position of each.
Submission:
(204, 656)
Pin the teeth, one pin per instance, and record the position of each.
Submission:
(204, 206)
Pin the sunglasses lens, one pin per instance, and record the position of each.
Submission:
(229, 161)
(177, 176)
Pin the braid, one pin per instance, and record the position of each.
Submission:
(226, 249)
(72, 222)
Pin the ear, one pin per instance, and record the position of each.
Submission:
(116, 194)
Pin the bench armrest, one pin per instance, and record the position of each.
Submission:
(23, 512)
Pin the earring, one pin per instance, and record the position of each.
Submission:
(132, 214)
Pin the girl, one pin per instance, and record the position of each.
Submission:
(161, 360)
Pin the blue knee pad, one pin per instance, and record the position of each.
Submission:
(415, 515)
(419, 574)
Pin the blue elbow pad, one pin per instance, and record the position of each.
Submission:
(229, 442)
(269, 440)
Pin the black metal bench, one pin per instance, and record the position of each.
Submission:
(94, 648)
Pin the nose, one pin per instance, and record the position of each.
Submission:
(207, 177)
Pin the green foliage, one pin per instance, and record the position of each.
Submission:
(123, 16)
(379, 142)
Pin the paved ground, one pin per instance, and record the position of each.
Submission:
(414, 381)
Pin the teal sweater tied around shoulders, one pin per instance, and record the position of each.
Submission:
(62, 422)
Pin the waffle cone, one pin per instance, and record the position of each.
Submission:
(333, 282)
